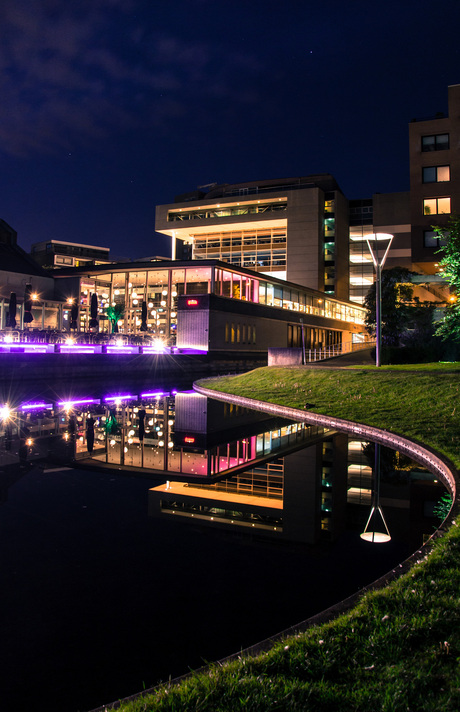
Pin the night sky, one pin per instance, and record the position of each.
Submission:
(109, 107)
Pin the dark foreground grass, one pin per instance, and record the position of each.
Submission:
(399, 648)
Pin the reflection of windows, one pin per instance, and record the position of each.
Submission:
(435, 174)
(436, 206)
(432, 239)
(437, 142)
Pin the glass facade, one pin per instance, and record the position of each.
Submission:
(160, 288)
(257, 249)
(225, 211)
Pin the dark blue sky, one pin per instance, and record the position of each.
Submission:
(109, 107)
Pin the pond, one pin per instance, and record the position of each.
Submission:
(190, 530)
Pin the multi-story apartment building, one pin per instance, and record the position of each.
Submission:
(434, 150)
(294, 229)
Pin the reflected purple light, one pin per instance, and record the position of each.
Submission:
(30, 348)
(123, 349)
(27, 348)
(78, 349)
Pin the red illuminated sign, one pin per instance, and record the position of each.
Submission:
(192, 302)
(189, 439)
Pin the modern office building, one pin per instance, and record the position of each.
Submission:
(294, 229)
(52, 254)
(297, 228)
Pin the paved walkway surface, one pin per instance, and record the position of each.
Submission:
(357, 358)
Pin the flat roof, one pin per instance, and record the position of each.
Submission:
(71, 244)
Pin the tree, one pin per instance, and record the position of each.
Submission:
(449, 326)
(397, 301)
(114, 314)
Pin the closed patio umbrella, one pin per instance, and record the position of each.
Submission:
(28, 318)
(141, 424)
(74, 316)
(90, 433)
(93, 323)
(11, 319)
(144, 316)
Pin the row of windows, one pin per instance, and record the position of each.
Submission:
(254, 249)
(240, 333)
(238, 239)
(227, 211)
(436, 142)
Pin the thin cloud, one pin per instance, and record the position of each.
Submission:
(72, 72)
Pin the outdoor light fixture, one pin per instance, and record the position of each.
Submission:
(5, 412)
(378, 258)
(376, 530)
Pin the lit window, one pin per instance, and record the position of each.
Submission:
(436, 174)
(436, 206)
(437, 142)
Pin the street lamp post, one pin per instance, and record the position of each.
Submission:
(385, 240)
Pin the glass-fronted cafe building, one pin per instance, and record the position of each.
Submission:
(207, 304)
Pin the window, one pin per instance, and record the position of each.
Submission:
(436, 174)
(432, 239)
(436, 206)
(437, 142)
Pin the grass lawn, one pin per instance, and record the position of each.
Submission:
(399, 648)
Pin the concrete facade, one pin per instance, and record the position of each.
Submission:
(434, 148)
(295, 228)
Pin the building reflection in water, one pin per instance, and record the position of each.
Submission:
(225, 466)
(314, 494)
(187, 434)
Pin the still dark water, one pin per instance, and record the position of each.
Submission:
(99, 600)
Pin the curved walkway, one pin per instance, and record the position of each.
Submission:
(417, 451)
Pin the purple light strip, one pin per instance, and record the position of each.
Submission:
(77, 349)
(154, 394)
(154, 350)
(83, 401)
(121, 397)
(30, 348)
(123, 349)
(36, 406)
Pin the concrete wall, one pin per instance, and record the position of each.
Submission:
(285, 357)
